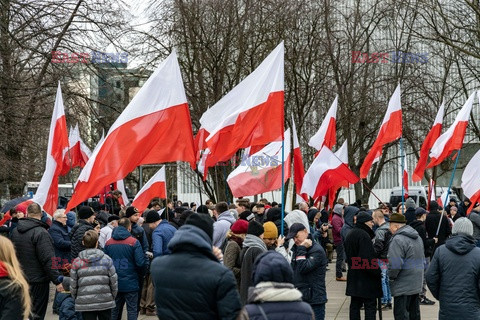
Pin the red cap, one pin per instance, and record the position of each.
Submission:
(240, 226)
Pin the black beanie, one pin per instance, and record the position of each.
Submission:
(85, 212)
(255, 228)
(433, 206)
(203, 222)
(202, 209)
(151, 216)
(130, 211)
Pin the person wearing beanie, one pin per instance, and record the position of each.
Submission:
(275, 215)
(270, 235)
(405, 267)
(428, 244)
(274, 291)
(454, 274)
(193, 270)
(106, 232)
(337, 224)
(364, 277)
(147, 297)
(162, 232)
(309, 265)
(431, 225)
(253, 246)
(246, 215)
(86, 217)
(231, 252)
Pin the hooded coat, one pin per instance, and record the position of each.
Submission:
(93, 281)
(35, 244)
(456, 288)
(406, 262)
(76, 237)
(253, 246)
(364, 277)
(337, 224)
(61, 240)
(221, 227)
(348, 214)
(428, 244)
(202, 288)
(431, 225)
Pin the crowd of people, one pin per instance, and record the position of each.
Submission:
(239, 261)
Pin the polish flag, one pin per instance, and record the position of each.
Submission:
(405, 177)
(251, 114)
(47, 192)
(325, 173)
(298, 168)
(262, 172)
(390, 131)
(431, 193)
(78, 153)
(432, 136)
(342, 155)
(147, 132)
(202, 168)
(155, 187)
(452, 139)
(471, 180)
(327, 134)
(123, 200)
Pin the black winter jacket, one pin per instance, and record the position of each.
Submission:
(76, 237)
(364, 277)
(61, 241)
(11, 306)
(309, 269)
(454, 278)
(34, 247)
(428, 244)
(431, 225)
(196, 284)
(139, 234)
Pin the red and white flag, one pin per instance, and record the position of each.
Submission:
(155, 187)
(327, 133)
(471, 180)
(452, 139)
(202, 168)
(147, 132)
(405, 176)
(326, 171)
(47, 192)
(250, 115)
(390, 131)
(298, 168)
(341, 154)
(78, 153)
(120, 186)
(432, 136)
(261, 172)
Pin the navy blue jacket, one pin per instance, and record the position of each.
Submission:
(198, 287)
(309, 269)
(61, 241)
(128, 259)
(66, 307)
(139, 234)
(161, 236)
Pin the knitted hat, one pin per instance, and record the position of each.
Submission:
(271, 231)
(433, 206)
(271, 266)
(113, 217)
(203, 222)
(255, 228)
(463, 226)
(246, 215)
(202, 209)
(398, 218)
(338, 208)
(130, 211)
(85, 212)
(151, 216)
(409, 203)
(240, 226)
(363, 217)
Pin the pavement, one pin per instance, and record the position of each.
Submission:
(337, 307)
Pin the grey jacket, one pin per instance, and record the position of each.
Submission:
(475, 218)
(93, 282)
(221, 227)
(406, 262)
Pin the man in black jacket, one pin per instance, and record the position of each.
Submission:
(191, 283)
(428, 245)
(431, 225)
(309, 264)
(364, 278)
(35, 251)
(86, 216)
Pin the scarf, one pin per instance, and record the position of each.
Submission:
(254, 241)
(273, 292)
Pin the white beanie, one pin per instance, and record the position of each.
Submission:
(463, 226)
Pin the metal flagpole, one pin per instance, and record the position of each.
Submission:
(402, 154)
(448, 192)
(283, 184)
